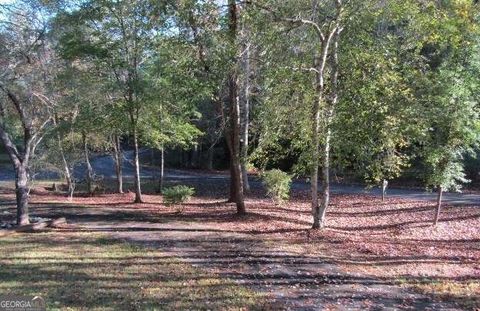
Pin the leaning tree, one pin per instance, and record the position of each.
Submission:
(27, 64)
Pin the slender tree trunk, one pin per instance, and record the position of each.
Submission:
(136, 156)
(89, 173)
(320, 215)
(118, 159)
(21, 190)
(439, 205)
(162, 169)
(236, 170)
(244, 143)
(384, 189)
(315, 164)
(233, 195)
(234, 131)
(66, 169)
(245, 104)
(326, 178)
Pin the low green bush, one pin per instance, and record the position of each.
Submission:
(177, 194)
(277, 184)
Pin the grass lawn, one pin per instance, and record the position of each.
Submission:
(84, 271)
(392, 241)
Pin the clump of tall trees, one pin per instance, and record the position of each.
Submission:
(368, 88)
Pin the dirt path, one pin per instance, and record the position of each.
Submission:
(291, 279)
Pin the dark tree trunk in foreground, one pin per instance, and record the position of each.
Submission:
(439, 205)
(233, 131)
(20, 164)
(21, 190)
(118, 159)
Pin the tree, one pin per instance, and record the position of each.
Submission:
(119, 37)
(214, 33)
(233, 129)
(322, 24)
(375, 125)
(169, 123)
(24, 105)
(448, 93)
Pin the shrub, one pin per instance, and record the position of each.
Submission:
(177, 194)
(278, 184)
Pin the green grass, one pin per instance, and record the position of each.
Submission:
(466, 292)
(74, 271)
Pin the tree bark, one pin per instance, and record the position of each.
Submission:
(162, 169)
(21, 191)
(439, 205)
(20, 164)
(118, 159)
(234, 131)
(66, 169)
(136, 156)
(89, 171)
(316, 117)
(20, 158)
(245, 103)
(320, 211)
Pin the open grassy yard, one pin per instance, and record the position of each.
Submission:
(88, 271)
(201, 255)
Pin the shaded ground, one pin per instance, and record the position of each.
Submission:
(85, 271)
(373, 256)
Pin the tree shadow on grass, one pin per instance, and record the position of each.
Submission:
(112, 279)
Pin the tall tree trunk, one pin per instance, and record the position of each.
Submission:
(89, 173)
(326, 178)
(162, 169)
(234, 130)
(21, 191)
(245, 102)
(320, 211)
(66, 169)
(439, 205)
(118, 159)
(136, 156)
(233, 189)
(315, 160)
